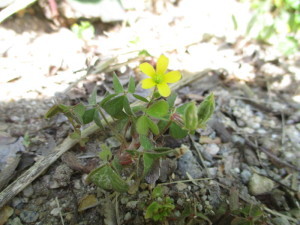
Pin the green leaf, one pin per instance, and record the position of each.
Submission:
(57, 109)
(105, 153)
(92, 100)
(52, 111)
(138, 108)
(181, 108)
(141, 98)
(158, 109)
(161, 125)
(127, 106)
(144, 53)
(153, 126)
(157, 192)
(202, 216)
(114, 106)
(150, 157)
(88, 115)
(117, 165)
(145, 142)
(117, 84)
(177, 132)
(131, 85)
(79, 110)
(142, 125)
(171, 99)
(240, 221)
(152, 210)
(97, 119)
(105, 177)
(107, 98)
(148, 161)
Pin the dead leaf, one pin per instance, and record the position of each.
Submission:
(87, 202)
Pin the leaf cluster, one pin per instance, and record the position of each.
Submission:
(146, 122)
(161, 206)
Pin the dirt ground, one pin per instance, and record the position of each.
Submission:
(242, 169)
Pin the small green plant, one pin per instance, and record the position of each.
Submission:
(161, 206)
(146, 120)
(85, 30)
(249, 215)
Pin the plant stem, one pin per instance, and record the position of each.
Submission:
(118, 136)
(163, 131)
(152, 98)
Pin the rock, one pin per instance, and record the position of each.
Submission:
(18, 203)
(112, 142)
(132, 204)
(14, 221)
(29, 216)
(127, 216)
(61, 176)
(188, 164)
(167, 167)
(181, 186)
(259, 185)
(280, 221)
(246, 175)
(28, 191)
(55, 212)
(212, 149)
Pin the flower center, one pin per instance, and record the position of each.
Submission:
(158, 78)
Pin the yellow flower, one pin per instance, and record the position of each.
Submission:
(159, 77)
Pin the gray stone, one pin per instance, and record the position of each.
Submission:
(28, 191)
(188, 164)
(246, 175)
(280, 221)
(112, 142)
(212, 149)
(14, 221)
(127, 216)
(260, 185)
(29, 216)
(131, 204)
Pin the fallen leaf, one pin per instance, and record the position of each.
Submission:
(87, 202)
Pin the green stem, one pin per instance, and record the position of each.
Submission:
(118, 136)
(163, 131)
(152, 98)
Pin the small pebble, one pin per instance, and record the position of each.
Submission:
(260, 185)
(28, 191)
(29, 216)
(55, 212)
(131, 204)
(245, 175)
(127, 216)
(212, 149)
(181, 186)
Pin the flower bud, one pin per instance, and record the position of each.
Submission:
(206, 109)
(190, 117)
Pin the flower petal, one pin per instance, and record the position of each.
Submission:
(147, 69)
(163, 89)
(172, 77)
(148, 83)
(162, 65)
